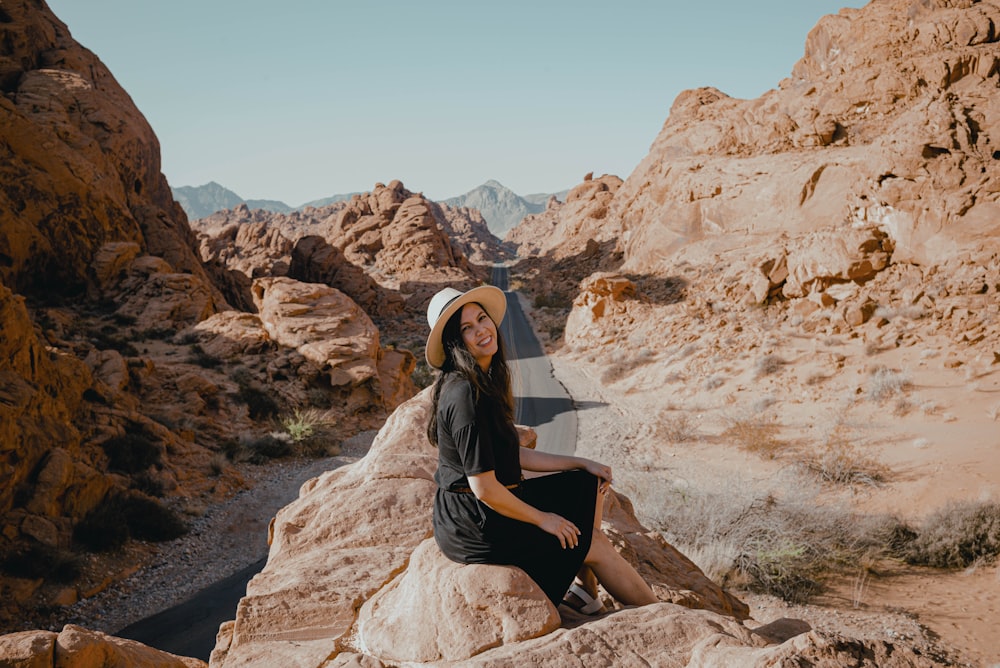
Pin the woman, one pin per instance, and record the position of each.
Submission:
(485, 512)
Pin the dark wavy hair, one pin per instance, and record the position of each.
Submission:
(493, 384)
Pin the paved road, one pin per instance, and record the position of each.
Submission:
(189, 628)
(542, 401)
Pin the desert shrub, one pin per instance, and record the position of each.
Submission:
(121, 516)
(259, 403)
(111, 338)
(131, 453)
(242, 376)
(187, 338)
(767, 365)
(148, 519)
(840, 460)
(755, 432)
(217, 464)
(41, 561)
(157, 333)
(423, 375)
(676, 428)
(269, 446)
(104, 528)
(958, 535)
(622, 365)
(148, 484)
(319, 398)
(312, 432)
(885, 383)
(553, 300)
(714, 382)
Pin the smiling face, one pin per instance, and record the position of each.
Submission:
(479, 334)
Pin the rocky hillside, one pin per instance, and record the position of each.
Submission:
(136, 380)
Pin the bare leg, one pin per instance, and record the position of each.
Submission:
(612, 570)
(617, 575)
(586, 574)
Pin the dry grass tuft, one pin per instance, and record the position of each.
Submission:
(755, 432)
(885, 383)
(767, 365)
(677, 427)
(840, 460)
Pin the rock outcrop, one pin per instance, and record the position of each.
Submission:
(890, 120)
(77, 646)
(564, 229)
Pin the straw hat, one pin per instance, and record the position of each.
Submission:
(447, 302)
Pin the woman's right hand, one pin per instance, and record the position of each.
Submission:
(561, 528)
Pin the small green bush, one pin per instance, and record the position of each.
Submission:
(131, 453)
(958, 535)
(104, 528)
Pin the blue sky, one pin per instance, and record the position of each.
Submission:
(300, 100)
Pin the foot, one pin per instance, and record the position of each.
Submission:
(580, 600)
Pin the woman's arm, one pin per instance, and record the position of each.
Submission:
(534, 460)
(488, 489)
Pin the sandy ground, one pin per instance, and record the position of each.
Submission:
(944, 447)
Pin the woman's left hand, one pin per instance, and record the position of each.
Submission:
(602, 471)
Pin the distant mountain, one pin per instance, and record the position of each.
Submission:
(502, 208)
(201, 201)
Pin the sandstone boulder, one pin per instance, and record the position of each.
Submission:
(74, 647)
(331, 576)
(425, 613)
(324, 325)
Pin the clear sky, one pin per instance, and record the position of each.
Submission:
(302, 99)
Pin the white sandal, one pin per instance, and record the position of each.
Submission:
(591, 605)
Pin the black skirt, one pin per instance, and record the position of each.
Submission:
(470, 532)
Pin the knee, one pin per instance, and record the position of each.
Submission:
(599, 547)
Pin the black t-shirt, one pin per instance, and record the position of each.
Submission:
(473, 437)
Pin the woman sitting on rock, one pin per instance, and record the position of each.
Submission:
(485, 512)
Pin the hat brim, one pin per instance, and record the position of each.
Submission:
(491, 298)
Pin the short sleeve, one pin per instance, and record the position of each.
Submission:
(472, 443)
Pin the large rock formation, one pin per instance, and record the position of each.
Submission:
(890, 120)
(564, 229)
